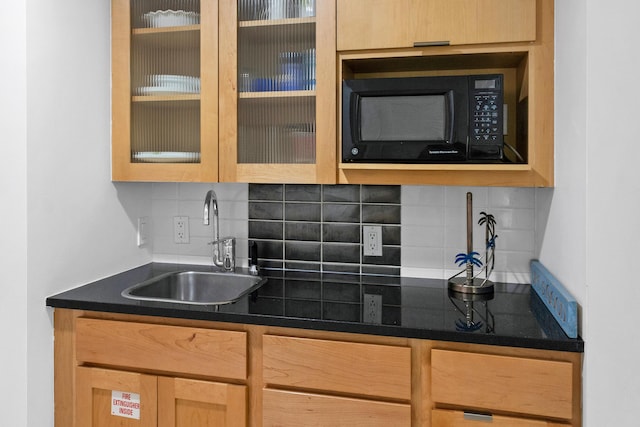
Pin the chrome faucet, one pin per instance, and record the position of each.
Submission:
(226, 245)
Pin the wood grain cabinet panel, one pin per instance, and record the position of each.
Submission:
(448, 418)
(384, 24)
(93, 397)
(291, 409)
(176, 349)
(316, 378)
(150, 124)
(373, 24)
(502, 383)
(473, 22)
(335, 366)
(191, 403)
(163, 401)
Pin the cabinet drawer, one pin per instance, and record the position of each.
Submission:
(362, 369)
(174, 349)
(446, 418)
(384, 24)
(476, 21)
(285, 408)
(502, 383)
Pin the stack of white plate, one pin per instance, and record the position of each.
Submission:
(164, 84)
(170, 18)
(166, 157)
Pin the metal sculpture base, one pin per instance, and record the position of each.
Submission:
(476, 286)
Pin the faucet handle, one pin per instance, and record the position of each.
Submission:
(229, 253)
(253, 258)
(225, 248)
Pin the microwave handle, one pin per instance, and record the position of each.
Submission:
(452, 115)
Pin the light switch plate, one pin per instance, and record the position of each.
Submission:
(143, 230)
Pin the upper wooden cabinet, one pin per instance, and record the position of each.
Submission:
(248, 90)
(277, 91)
(164, 90)
(416, 38)
(378, 24)
(229, 90)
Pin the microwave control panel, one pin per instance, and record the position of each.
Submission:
(486, 121)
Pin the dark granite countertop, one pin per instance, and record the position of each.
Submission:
(411, 308)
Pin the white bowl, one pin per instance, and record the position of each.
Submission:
(170, 18)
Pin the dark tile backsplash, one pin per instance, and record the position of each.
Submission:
(319, 227)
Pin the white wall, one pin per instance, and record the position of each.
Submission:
(81, 227)
(613, 203)
(593, 229)
(561, 212)
(13, 193)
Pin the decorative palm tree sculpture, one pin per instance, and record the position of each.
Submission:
(472, 283)
(490, 237)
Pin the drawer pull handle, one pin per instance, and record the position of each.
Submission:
(485, 418)
(428, 44)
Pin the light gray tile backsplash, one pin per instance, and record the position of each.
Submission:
(432, 228)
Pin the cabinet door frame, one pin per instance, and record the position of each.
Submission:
(122, 168)
(324, 171)
(230, 396)
(89, 379)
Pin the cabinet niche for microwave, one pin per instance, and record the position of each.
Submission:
(512, 65)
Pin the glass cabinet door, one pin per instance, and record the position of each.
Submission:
(163, 127)
(280, 118)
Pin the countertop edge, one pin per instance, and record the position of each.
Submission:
(574, 346)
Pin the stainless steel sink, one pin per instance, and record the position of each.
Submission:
(195, 287)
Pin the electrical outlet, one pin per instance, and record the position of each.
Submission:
(372, 309)
(372, 240)
(181, 229)
(143, 230)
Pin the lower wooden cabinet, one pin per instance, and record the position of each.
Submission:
(94, 398)
(502, 384)
(152, 401)
(317, 382)
(184, 402)
(189, 373)
(366, 370)
(188, 351)
(293, 409)
(449, 418)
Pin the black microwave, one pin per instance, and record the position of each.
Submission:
(439, 119)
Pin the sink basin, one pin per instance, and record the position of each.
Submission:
(195, 287)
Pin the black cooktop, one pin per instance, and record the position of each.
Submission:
(392, 306)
